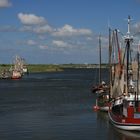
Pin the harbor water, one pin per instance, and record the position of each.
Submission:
(55, 106)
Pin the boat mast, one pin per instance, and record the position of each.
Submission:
(110, 65)
(138, 55)
(128, 40)
(100, 59)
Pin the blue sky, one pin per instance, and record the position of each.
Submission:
(62, 31)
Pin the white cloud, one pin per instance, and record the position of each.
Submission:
(43, 29)
(43, 47)
(136, 27)
(68, 30)
(37, 29)
(36, 24)
(76, 38)
(89, 38)
(26, 29)
(5, 3)
(60, 43)
(31, 42)
(31, 19)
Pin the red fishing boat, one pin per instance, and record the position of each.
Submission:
(19, 68)
(16, 74)
(124, 111)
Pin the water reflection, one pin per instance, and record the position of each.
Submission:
(107, 131)
(122, 134)
(54, 106)
(102, 125)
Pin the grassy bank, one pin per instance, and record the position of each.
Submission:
(44, 68)
(35, 67)
(52, 68)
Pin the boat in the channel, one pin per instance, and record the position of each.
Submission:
(102, 89)
(102, 102)
(19, 68)
(124, 111)
(5, 74)
(16, 74)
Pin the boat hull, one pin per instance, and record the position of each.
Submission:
(103, 101)
(124, 123)
(16, 75)
(15, 78)
(104, 108)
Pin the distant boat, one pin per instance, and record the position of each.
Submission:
(5, 74)
(19, 68)
(124, 111)
(102, 90)
(16, 74)
(16, 71)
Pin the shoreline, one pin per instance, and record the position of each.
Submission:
(53, 67)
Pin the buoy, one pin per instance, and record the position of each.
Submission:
(96, 108)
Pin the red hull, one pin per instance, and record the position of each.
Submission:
(125, 123)
(124, 120)
(16, 78)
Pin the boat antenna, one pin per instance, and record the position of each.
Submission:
(128, 34)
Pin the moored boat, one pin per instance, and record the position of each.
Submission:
(103, 101)
(19, 68)
(16, 75)
(102, 90)
(124, 114)
(5, 74)
(124, 111)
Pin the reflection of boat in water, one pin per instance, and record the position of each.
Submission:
(102, 116)
(124, 112)
(123, 134)
(102, 89)
(128, 135)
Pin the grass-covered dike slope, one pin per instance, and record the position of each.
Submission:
(52, 67)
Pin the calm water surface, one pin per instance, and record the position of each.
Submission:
(55, 106)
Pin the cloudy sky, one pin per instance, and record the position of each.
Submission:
(62, 31)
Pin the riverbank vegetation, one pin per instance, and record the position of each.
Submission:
(52, 67)
(44, 68)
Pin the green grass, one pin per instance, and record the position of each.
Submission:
(52, 68)
(44, 68)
